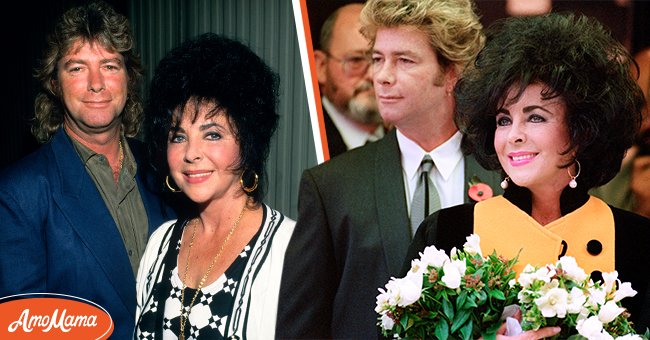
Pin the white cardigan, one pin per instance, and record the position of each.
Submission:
(256, 298)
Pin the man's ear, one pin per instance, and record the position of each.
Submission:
(451, 78)
(320, 58)
(54, 87)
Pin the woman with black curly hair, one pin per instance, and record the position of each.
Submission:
(550, 102)
(214, 273)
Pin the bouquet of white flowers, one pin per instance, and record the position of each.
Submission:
(463, 296)
(562, 294)
(458, 296)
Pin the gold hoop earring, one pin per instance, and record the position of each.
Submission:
(252, 187)
(573, 183)
(172, 189)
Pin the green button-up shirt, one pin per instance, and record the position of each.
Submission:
(122, 199)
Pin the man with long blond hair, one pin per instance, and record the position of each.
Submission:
(356, 215)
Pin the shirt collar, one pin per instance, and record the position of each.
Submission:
(445, 157)
(86, 154)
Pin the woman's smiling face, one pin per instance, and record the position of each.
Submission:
(531, 139)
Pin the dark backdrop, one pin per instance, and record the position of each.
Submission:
(24, 30)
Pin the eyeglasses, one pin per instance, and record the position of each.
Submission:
(353, 65)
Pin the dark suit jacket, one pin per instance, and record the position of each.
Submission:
(335, 142)
(59, 237)
(351, 236)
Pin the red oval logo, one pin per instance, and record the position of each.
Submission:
(52, 316)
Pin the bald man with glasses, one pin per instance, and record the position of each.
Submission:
(349, 106)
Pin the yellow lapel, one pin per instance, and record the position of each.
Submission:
(505, 228)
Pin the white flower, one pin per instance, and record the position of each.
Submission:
(624, 290)
(454, 271)
(382, 300)
(610, 280)
(592, 329)
(609, 311)
(386, 321)
(433, 257)
(410, 289)
(527, 276)
(576, 301)
(553, 303)
(417, 267)
(545, 273)
(400, 292)
(473, 246)
(571, 269)
(596, 296)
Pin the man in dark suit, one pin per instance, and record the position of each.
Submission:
(77, 213)
(353, 227)
(349, 107)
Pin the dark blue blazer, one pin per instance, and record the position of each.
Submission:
(58, 236)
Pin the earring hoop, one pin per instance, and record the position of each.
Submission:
(172, 189)
(573, 183)
(252, 187)
(504, 183)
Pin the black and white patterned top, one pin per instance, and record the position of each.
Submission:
(241, 304)
(211, 309)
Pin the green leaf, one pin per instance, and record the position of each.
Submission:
(460, 319)
(497, 294)
(404, 321)
(460, 301)
(482, 297)
(466, 331)
(489, 335)
(442, 330)
(448, 309)
(470, 303)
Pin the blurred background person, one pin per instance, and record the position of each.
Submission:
(630, 189)
(215, 272)
(557, 119)
(342, 64)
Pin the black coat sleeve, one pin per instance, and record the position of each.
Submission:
(309, 276)
(444, 229)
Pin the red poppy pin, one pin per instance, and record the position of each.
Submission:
(478, 190)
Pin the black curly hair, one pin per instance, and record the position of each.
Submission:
(574, 58)
(213, 68)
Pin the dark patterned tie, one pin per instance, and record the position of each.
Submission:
(425, 199)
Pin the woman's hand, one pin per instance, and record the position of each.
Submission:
(541, 333)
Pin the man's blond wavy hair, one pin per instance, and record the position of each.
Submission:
(453, 27)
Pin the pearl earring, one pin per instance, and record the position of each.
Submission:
(573, 183)
(504, 183)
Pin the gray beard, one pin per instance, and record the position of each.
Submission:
(364, 112)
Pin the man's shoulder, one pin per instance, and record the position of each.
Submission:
(355, 160)
(34, 164)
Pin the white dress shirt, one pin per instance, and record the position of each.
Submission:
(448, 175)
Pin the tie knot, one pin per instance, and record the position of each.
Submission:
(427, 164)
